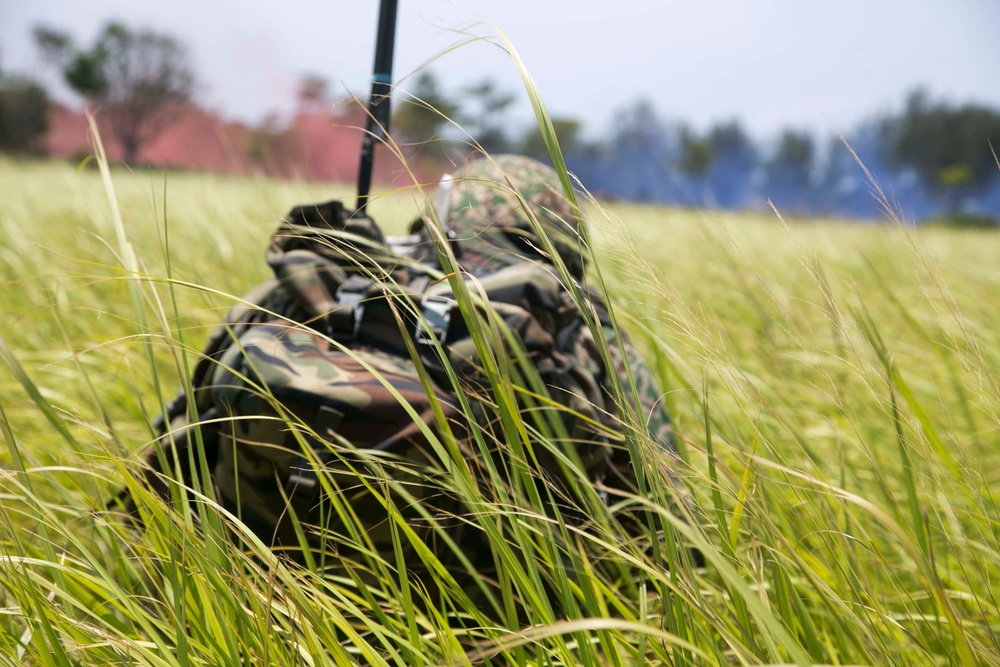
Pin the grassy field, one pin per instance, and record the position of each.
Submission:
(834, 387)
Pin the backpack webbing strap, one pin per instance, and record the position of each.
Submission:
(344, 322)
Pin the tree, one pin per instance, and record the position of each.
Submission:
(795, 152)
(697, 153)
(789, 172)
(729, 138)
(567, 132)
(421, 118)
(642, 149)
(843, 188)
(486, 121)
(273, 147)
(137, 78)
(24, 115)
(313, 94)
(947, 146)
(730, 177)
(423, 114)
(694, 160)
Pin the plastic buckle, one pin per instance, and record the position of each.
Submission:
(351, 294)
(302, 484)
(433, 326)
(302, 479)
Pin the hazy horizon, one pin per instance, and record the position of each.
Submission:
(772, 64)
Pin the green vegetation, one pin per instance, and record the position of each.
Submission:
(945, 145)
(24, 119)
(139, 78)
(834, 387)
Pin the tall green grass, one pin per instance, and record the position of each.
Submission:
(833, 386)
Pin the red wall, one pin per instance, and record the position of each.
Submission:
(317, 145)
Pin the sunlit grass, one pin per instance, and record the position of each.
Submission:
(833, 387)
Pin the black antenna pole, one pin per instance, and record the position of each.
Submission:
(378, 103)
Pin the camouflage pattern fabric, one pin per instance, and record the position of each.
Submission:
(486, 216)
(492, 209)
(297, 402)
(298, 383)
(492, 230)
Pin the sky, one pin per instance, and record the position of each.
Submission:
(809, 64)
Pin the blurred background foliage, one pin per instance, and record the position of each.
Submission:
(934, 155)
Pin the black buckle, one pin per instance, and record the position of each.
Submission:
(350, 294)
(302, 484)
(436, 319)
(302, 478)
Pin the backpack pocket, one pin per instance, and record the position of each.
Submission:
(320, 425)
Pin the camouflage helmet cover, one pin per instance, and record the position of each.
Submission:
(485, 215)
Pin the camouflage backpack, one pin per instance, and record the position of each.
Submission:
(328, 393)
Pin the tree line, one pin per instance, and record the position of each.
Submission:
(934, 156)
